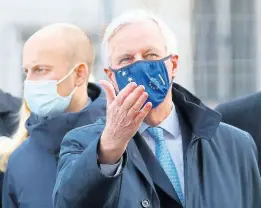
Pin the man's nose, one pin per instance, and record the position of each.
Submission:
(138, 57)
(29, 75)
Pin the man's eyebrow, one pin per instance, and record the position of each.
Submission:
(123, 55)
(151, 49)
(37, 66)
(120, 56)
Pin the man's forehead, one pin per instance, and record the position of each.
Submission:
(44, 43)
(43, 54)
(43, 49)
(137, 36)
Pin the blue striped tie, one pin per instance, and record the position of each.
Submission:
(164, 157)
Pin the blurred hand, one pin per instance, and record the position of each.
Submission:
(124, 117)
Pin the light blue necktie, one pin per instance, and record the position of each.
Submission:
(164, 157)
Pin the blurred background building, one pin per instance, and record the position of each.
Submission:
(219, 40)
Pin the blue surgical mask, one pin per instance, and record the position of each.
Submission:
(42, 97)
(153, 75)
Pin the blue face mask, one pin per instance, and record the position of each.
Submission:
(42, 97)
(152, 75)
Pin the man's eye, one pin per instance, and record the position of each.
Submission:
(125, 60)
(40, 70)
(152, 55)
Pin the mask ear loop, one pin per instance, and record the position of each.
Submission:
(64, 78)
(172, 79)
(114, 71)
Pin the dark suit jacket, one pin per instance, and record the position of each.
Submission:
(220, 166)
(244, 113)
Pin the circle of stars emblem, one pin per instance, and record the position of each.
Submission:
(154, 84)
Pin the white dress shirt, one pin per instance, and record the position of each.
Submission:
(173, 137)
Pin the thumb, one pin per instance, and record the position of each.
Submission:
(110, 91)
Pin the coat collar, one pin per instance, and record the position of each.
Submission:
(202, 120)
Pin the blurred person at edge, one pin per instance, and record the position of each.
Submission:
(8, 145)
(245, 113)
(9, 108)
(57, 61)
(165, 147)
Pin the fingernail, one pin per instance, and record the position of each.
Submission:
(145, 94)
(142, 87)
(132, 84)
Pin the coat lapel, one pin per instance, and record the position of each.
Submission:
(135, 156)
(155, 170)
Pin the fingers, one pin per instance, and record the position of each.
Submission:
(123, 94)
(143, 113)
(110, 91)
(130, 101)
(134, 110)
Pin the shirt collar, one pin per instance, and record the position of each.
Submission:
(170, 124)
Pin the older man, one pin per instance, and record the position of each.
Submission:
(57, 60)
(161, 145)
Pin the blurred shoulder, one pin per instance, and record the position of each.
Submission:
(234, 137)
(242, 103)
(19, 156)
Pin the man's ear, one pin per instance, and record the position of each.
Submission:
(174, 60)
(111, 76)
(81, 74)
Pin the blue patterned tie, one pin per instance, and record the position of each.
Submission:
(164, 157)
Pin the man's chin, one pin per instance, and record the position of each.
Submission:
(152, 119)
(157, 115)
